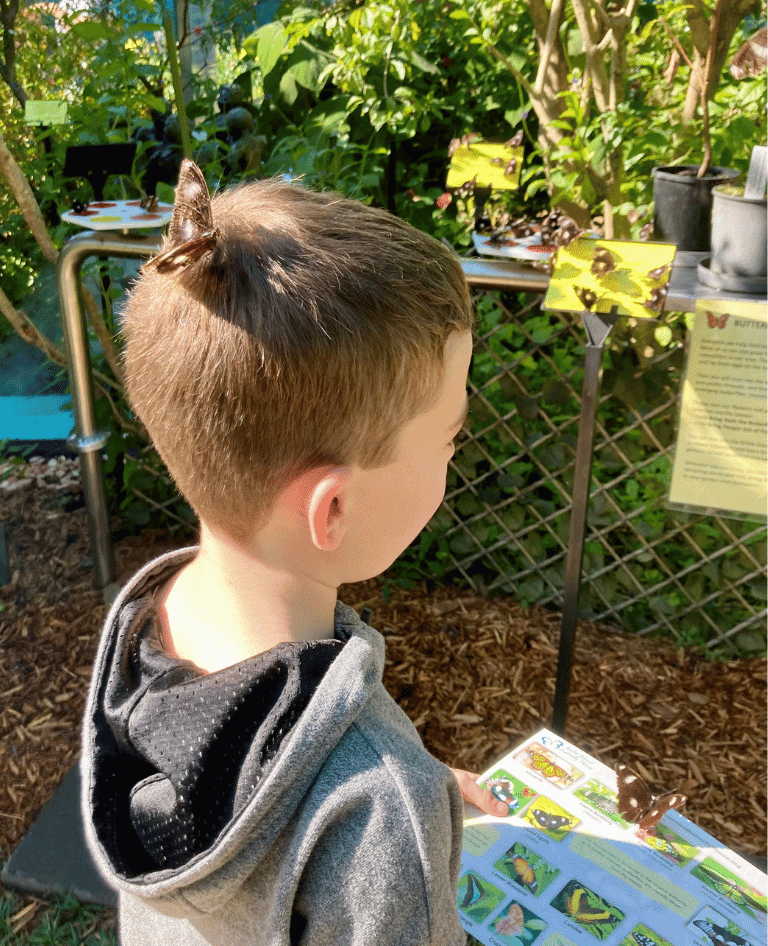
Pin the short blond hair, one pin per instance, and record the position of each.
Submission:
(308, 337)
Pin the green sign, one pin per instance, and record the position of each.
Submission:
(41, 112)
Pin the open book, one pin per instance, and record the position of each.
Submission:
(565, 868)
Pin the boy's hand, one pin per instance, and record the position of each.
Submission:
(478, 796)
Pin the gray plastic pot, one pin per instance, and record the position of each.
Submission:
(682, 204)
(739, 229)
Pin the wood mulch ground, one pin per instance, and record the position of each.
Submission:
(476, 677)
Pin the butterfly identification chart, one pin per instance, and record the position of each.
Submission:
(722, 433)
(589, 855)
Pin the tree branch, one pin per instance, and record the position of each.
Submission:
(27, 202)
(553, 27)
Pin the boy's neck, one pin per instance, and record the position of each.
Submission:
(226, 606)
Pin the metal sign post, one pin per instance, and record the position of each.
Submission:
(598, 327)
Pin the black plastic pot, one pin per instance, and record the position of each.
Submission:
(683, 204)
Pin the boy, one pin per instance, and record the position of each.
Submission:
(300, 363)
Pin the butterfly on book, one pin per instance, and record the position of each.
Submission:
(637, 804)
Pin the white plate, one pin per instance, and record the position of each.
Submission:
(119, 215)
(521, 250)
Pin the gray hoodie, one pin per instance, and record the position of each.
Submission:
(286, 800)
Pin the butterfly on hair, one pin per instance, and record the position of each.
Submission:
(191, 234)
(637, 804)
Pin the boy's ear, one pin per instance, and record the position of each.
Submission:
(326, 511)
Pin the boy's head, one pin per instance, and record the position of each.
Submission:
(312, 331)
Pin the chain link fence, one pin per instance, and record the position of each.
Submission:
(503, 527)
(696, 579)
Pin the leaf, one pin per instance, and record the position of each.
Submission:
(271, 41)
(144, 28)
(421, 63)
(90, 29)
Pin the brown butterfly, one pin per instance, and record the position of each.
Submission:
(515, 141)
(636, 802)
(148, 203)
(604, 262)
(191, 234)
(510, 167)
(657, 299)
(587, 297)
(549, 227)
(660, 271)
(467, 188)
(567, 230)
(464, 142)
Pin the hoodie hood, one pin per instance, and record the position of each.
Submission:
(183, 769)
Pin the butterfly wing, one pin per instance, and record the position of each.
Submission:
(192, 210)
(191, 234)
(636, 803)
(603, 263)
(634, 795)
(660, 806)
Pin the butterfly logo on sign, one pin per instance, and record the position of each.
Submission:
(717, 321)
(638, 805)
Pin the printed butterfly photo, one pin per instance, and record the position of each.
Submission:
(637, 804)
(477, 897)
(539, 759)
(727, 884)
(588, 909)
(641, 935)
(717, 321)
(527, 869)
(719, 935)
(550, 818)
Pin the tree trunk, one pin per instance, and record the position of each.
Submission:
(26, 201)
(731, 13)
(9, 10)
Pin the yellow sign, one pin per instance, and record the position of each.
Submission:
(723, 436)
(599, 275)
(488, 165)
